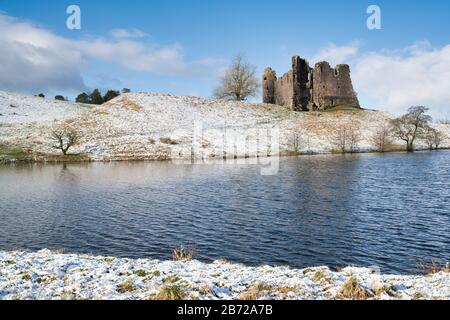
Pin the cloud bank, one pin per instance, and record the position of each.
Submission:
(394, 80)
(35, 59)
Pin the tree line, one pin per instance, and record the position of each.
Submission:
(413, 126)
(95, 97)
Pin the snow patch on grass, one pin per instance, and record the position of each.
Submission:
(50, 275)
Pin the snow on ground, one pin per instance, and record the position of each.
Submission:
(144, 126)
(49, 275)
(23, 109)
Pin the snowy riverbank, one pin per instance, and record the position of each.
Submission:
(50, 275)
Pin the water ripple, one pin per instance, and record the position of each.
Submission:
(386, 210)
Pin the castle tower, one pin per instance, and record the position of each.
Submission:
(300, 82)
(333, 87)
(269, 80)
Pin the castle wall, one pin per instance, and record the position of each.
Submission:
(269, 80)
(301, 84)
(333, 87)
(284, 90)
(304, 88)
(292, 89)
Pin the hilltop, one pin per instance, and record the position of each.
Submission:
(145, 126)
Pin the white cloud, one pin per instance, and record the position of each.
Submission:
(128, 33)
(33, 58)
(394, 80)
(337, 54)
(30, 60)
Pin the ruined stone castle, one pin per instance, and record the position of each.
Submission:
(310, 89)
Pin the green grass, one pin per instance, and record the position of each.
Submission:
(170, 293)
(13, 154)
(141, 273)
(171, 279)
(127, 286)
(69, 158)
(318, 276)
(216, 275)
(307, 270)
(10, 153)
(343, 108)
(157, 273)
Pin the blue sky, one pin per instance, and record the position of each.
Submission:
(188, 43)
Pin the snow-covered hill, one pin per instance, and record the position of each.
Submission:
(23, 109)
(143, 126)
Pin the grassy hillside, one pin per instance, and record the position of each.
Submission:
(141, 126)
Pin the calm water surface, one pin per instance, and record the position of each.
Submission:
(388, 210)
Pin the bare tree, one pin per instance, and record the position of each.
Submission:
(411, 125)
(347, 137)
(354, 137)
(382, 138)
(296, 142)
(64, 139)
(432, 137)
(239, 82)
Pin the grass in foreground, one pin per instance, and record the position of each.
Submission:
(173, 292)
(433, 267)
(127, 286)
(254, 292)
(183, 254)
(353, 290)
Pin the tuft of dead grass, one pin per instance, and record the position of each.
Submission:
(131, 105)
(127, 286)
(286, 289)
(433, 267)
(318, 276)
(167, 140)
(353, 290)
(254, 292)
(171, 279)
(384, 289)
(141, 273)
(172, 293)
(101, 112)
(205, 290)
(183, 254)
(418, 296)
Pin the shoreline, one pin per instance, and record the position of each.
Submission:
(50, 275)
(58, 159)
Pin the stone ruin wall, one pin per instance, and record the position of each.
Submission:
(306, 89)
(284, 90)
(333, 87)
